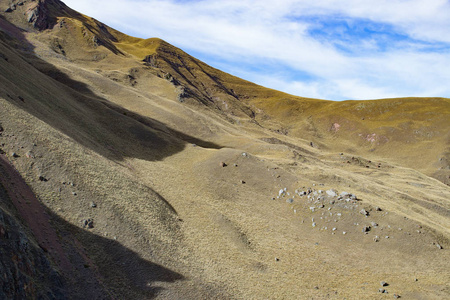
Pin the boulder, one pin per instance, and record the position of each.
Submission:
(331, 193)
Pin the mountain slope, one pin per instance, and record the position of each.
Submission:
(157, 173)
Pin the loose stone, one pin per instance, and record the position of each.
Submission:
(89, 223)
(364, 212)
(331, 193)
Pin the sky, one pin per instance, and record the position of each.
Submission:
(327, 49)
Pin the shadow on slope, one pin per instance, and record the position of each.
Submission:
(123, 272)
(98, 268)
(71, 107)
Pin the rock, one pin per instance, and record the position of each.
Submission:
(331, 193)
(151, 60)
(439, 246)
(313, 224)
(376, 239)
(364, 212)
(73, 193)
(396, 296)
(242, 182)
(222, 164)
(277, 259)
(30, 154)
(384, 283)
(374, 224)
(383, 291)
(11, 8)
(290, 200)
(89, 223)
(378, 209)
(42, 178)
(14, 154)
(93, 205)
(26, 270)
(244, 154)
(39, 15)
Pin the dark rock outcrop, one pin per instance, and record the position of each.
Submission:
(40, 13)
(26, 272)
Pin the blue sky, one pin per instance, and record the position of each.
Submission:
(328, 49)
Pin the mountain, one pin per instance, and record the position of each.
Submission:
(132, 170)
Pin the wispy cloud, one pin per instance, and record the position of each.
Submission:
(332, 49)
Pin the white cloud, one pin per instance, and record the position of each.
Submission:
(239, 34)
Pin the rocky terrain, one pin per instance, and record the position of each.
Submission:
(131, 170)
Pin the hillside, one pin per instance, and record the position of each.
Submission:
(154, 175)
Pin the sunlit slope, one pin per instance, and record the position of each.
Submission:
(413, 132)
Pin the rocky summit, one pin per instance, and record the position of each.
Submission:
(132, 170)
